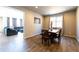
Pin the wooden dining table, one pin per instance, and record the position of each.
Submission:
(54, 32)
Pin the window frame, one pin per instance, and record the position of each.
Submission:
(56, 20)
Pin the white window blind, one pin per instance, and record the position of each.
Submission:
(56, 21)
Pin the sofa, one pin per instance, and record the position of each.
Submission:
(19, 29)
(10, 31)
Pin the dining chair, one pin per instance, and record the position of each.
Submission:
(46, 37)
(58, 35)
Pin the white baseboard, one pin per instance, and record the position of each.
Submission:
(31, 36)
(77, 39)
(70, 36)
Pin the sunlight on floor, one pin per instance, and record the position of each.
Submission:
(11, 43)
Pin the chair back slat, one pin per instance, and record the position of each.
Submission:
(59, 33)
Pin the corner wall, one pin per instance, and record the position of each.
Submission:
(46, 21)
(31, 29)
(77, 24)
(70, 24)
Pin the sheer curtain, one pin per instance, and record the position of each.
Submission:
(56, 21)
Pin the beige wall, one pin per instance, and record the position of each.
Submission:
(70, 23)
(29, 26)
(46, 21)
(1, 24)
(77, 24)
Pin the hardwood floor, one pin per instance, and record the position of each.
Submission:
(67, 45)
(16, 43)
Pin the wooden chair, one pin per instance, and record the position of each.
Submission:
(58, 35)
(46, 37)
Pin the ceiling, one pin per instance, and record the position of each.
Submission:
(49, 10)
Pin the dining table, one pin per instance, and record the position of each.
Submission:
(54, 30)
(54, 33)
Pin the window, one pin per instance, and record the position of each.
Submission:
(8, 22)
(14, 22)
(56, 21)
(21, 22)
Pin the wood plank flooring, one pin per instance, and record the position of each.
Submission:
(16, 43)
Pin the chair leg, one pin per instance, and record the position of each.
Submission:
(59, 40)
(48, 42)
(42, 41)
(52, 39)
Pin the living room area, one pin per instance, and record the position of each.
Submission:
(11, 26)
(11, 21)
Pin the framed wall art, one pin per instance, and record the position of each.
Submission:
(37, 20)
